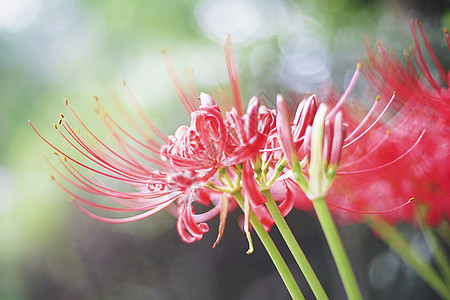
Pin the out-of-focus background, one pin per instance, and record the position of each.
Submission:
(56, 49)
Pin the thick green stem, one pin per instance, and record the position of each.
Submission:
(337, 249)
(403, 248)
(294, 247)
(273, 252)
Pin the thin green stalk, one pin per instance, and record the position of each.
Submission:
(403, 248)
(273, 252)
(436, 249)
(438, 253)
(337, 249)
(444, 231)
(294, 247)
(278, 169)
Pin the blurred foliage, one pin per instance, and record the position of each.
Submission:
(76, 49)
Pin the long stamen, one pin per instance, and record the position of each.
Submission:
(370, 212)
(129, 119)
(423, 67)
(126, 162)
(105, 159)
(346, 93)
(372, 125)
(134, 208)
(387, 164)
(107, 117)
(375, 147)
(101, 189)
(121, 141)
(233, 76)
(114, 169)
(431, 51)
(179, 89)
(134, 163)
(447, 38)
(122, 220)
(420, 60)
(366, 119)
(191, 87)
(81, 164)
(409, 62)
(125, 145)
(143, 116)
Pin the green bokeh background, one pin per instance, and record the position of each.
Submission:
(56, 49)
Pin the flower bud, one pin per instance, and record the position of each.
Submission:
(317, 182)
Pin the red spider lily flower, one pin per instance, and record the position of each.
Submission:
(211, 141)
(204, 144)
(325, 150)
(423, 91)
(202, 163)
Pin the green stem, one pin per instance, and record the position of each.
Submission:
(273, 252)
(294, 247)
(436, 249)
(278, 169)
(337, 248)
(444, 232)
(403, 248)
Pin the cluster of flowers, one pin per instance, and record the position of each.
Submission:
(220, 154)
(201, 164)
(422, 98)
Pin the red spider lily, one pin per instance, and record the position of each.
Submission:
(323, 150)
(424, 93)
(175, 172)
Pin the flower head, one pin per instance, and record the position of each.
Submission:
(324, 149)
(423, 92)
(201, 164)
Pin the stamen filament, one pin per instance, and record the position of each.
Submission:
(387, 164)
(179, 89)
(370, 212)
(372, 125)
(347, 92)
